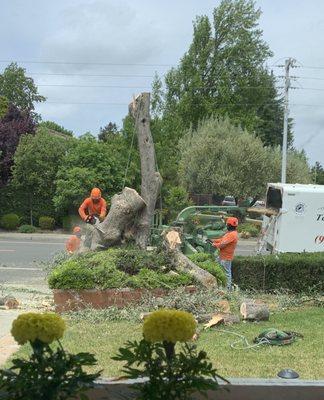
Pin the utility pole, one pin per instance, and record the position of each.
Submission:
(289, 63)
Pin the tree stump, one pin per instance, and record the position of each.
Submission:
(254, 311)
(124, 208)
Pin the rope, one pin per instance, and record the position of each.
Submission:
(242, 339)
(129, 157)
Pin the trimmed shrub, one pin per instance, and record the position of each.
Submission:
(27, 229)
(207, 262)
(46, 223)
(117, 268)
(10, 222)
(298, 272)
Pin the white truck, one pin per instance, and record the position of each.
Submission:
(297, 220)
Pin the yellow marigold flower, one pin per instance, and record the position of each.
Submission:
(45, 327)
(170, 326)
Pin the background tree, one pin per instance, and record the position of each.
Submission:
(13, 125)
(55, 127)
(36, 163)
(318, 173)
(4, 104)
(19, 89)
(90, 163)
(222, 73)
(108, 132)
(222, 158)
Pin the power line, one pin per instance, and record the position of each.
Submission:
(95, 86)
(87, 63)
(95, 75)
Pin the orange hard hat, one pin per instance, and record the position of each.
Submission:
(232, 221)
(76, 230)
(95, 193)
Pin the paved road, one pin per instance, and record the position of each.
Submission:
(21, 260)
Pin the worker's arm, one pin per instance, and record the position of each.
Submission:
(82, 210)
(226, 239)
(216, 242)
(103, 210)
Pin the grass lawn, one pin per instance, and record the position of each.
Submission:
(306, 356)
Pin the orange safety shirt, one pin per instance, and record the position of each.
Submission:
(88, 207)
(227, 244)
(73, 244)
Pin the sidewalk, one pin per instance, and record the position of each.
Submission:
(37, 237)
(7, 343)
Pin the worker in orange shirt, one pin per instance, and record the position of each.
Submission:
(226, 245)
(74, 241)
(93, 207)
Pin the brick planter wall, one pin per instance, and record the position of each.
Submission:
(72, 300)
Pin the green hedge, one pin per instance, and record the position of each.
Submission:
(298, 272)
(46, 223)
(10, 222)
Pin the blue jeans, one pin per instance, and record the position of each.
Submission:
(227, 265)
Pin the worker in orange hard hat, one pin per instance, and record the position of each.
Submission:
(74, 241)
(226, 245)
(93, 207)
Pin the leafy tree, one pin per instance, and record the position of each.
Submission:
(222, 73)
(224, 159)
(108, 132)
(4, 104)
(19, 89)
(318, 173)
(55, 127)
(87, 164)
(13, 125)
(36, 162)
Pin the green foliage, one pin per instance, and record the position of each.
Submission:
(108, 132)
(27, 229)
(208, 263)
(117, 268)
(90, 164)
(220, 157)
(48, 374)
(10, 222)
(318, 173)
(173, 378)
(36, 162)
(46, 223)
(4, 104)
(175, 200)
(19, 89)
(252, 229)
(69, 221)
(53, 126)
(300, 272)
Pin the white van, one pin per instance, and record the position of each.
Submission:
(298, 221)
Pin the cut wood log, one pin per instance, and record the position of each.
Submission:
(9, 302)
(230, 319)
(124, 208)
(172, 243)
(254, 311)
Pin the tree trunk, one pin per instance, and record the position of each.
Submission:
(151, 178)
(172, 243)
(254, 311)
(124, 208)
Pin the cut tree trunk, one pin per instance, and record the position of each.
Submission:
(254, 311)
(172, 242)
(124, 208)
(151, 178)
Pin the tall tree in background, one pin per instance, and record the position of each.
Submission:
(108, 132)
(13, 125)
(53, 126)
(222, 73)
(318, 173)
(19, 89)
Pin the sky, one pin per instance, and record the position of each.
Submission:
(89, 57)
